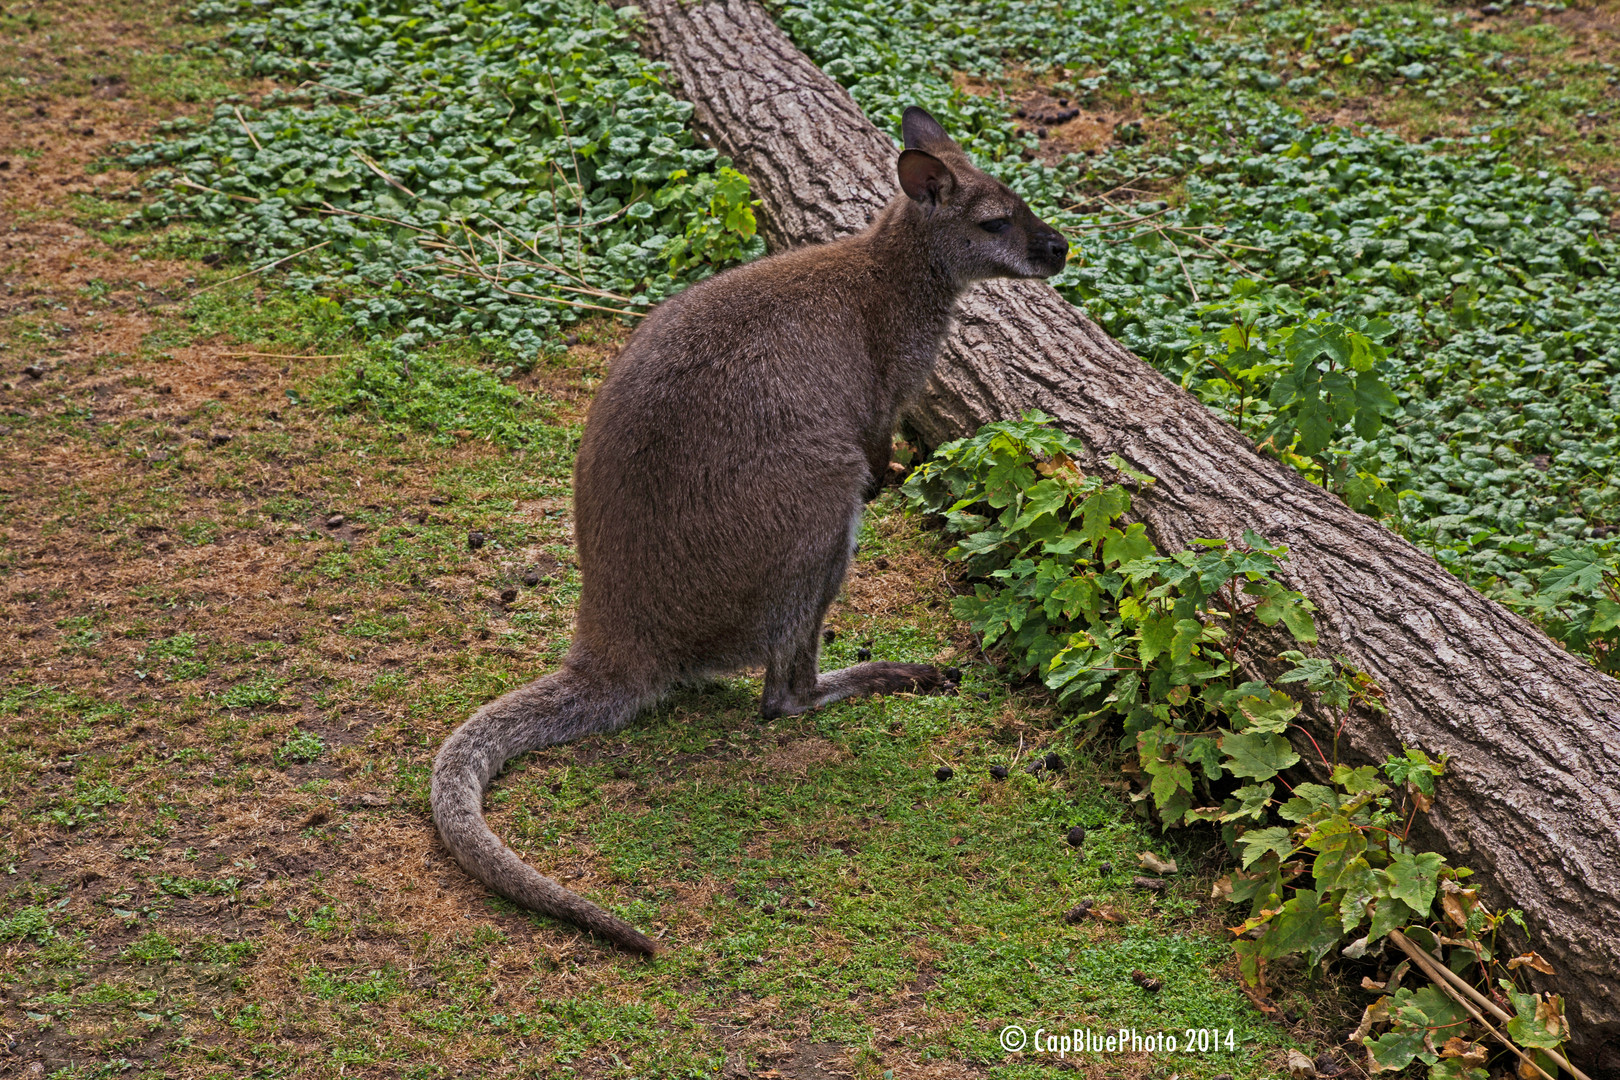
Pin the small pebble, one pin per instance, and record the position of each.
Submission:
(998, 772)
(475, 540)
(944, 772)
(335, 521)
(1077, 836)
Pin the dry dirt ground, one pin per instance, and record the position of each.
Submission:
(236, 627)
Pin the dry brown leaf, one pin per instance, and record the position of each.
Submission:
(1376, 1013)
(1107, 914)
(1532, 960)
(1458, 902)
(1152, 862)
(1222, 888)
(1550, 1014)
(1471, 1054)
(1301, 1067)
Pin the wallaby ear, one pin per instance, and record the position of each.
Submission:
(918, 130)
(925, 178)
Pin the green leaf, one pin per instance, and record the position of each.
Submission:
(1306, 925)
(1155, 637)
(1256, 842)
(1185, 635)
(1388, 914)
(1574, 570)
(1341, 847)
(1270, 714)
(1099, 511)
(1395, 1050)
(1453, 1069)
(1373, 402)
(1310, 800)
(1133, 544)
(1297, 618)
(1260, 756)
(1205, 752)
(1605, 617)
(1316, 428)
(1540, 1022)
(1361, 780)
(1414, 877)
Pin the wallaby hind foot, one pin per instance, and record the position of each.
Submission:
(857, 680)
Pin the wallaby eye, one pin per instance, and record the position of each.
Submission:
(996, 225)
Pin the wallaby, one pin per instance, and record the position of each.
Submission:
(721, 478)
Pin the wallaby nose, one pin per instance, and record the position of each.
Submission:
(1050, 247)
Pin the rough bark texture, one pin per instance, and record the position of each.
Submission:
(1532, 797)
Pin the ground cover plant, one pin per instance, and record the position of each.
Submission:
(1160, 642)
(1216, 202)
(254, 566)
(485, 171)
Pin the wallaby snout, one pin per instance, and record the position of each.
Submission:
(1048, 250)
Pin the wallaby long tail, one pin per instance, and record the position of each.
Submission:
(562, 706)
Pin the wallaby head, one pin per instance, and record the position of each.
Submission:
(976, 225)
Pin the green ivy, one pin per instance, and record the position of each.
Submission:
(1067, 589)
(488, 171)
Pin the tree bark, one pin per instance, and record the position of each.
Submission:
(1531, 799)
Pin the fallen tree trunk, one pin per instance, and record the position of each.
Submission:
(1532, 796)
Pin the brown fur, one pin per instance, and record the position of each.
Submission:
(720, 482)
